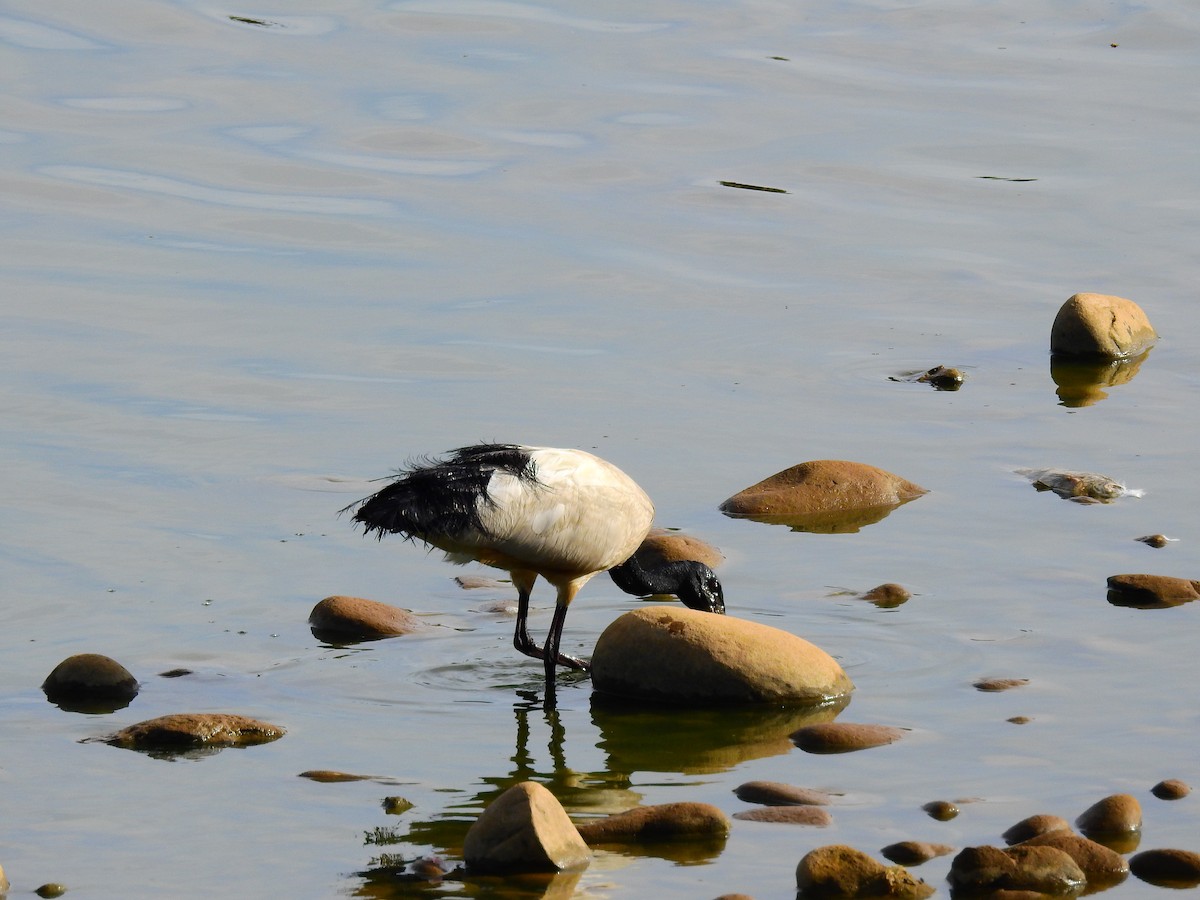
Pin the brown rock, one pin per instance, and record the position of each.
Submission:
(182, 731)
(942, 810)
(683, 655)
(838, 871)
(525, 829)
(816, 816)
(775, 793)
(843, 737)
(1157, 541)
(1101, 866)
(356, 617)
(329, 776)
(1046, 870)
(913, 853)
(1101, 325)
(1019, 720)
(1033, 826)
(1151, 591)
(1117, 814)
(993, 685)
(90, 676)
(822, 486)
(668, 821)
(662, 546)
(1167, 868)
(1171, 789)
(888, 596)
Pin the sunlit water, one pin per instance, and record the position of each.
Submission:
(249, 264)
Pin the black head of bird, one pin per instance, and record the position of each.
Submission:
(692, 582)
(564, 515)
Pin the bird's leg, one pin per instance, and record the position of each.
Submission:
(521, 640)
(566, 593)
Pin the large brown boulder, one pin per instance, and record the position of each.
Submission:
(839, 871)
(682, 655)
(525, 829)
(1100, 325)
(1044, 870)
(1151, 591)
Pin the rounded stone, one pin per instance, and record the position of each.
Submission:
(90, 676)
(182, 731)
(357, 617)
(1171, 789)
(50, 889)
(1101, 325)
(1046, 870)
(913, 853)
(775, 793)
(817, 816)
(1167, 868)
(822, 486)
(942, 810)
(1101, 866)
(667, 821)
(1151, 591)
(1032, 826)
(993, 685)
(1114, 815)
(525, 829)
(670, 653)
(839, 871)
(888, 596)
(662, 546)
(844, 737)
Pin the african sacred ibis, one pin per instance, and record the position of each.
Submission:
(565, 515)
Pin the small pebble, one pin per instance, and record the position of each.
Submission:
(1019, 720)
(942, 810)
(1170, 789)
(888, 596)
(816, 816)
(774, 793)
(1156, 540)
(844, 737)
(51, 889)
(992, 685)
(394, 806)
(913, 853)
(328, 776)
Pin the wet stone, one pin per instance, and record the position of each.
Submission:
(821, 486)
(837, 871)
(1101, 866)
(993, 685)
(90, 676)
(942, 810)
(1101, 325)
(1156, 540)
(816, 816)
(1151, 591)
(985, 869)
(775, 793)
(51, 889)
(1032, 826)
(525, 829)
(394, 806)
(913, 853)
(888, 596)
(185, 730)
(1171, 789)
(844, 737)
(1112, 821)
(665, 822)
(671, 653)
(1019, 720)
(359, 618)
(1167, 868)
(662, 546)
(1081, 487)
(329, 776)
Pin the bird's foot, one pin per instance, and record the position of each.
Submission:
(529, 648)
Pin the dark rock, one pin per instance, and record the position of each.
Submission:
(942, 810)
(1170, 789)
(1167, 868)
(816, 816)
(775, 793)
(843, 737)
(90, 676)
(185, 730)
(665, 822)
(913, 853)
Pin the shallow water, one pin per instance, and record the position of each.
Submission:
(249, 266)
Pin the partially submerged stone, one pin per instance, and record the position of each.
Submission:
(1101, 866)
(357, 618)
(182, 731)
(1171, 789)
(820, 495)
(1115, 815)
(1158, 541)
(1167, 868)
(942, 810)
(994, 685)
(816, 816)
(662, 546)
(1151, 591)
(1081, 487)
(888, 596)
(670, 653)
(838, 871)
(90, 676)
(525, 829)
(665, 822)
(775, 793)
(1045, 870)
(844, 737)
(913, 853)
(1032, 826)
(1101, 325)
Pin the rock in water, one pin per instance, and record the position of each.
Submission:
(839, 871)
(181, 731)
(359, 618)
(665, 822)
(670, 653)
(821, 486)
(525, 829)
(1100, 325)
(90, 676)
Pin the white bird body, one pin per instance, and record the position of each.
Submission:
(564, 515)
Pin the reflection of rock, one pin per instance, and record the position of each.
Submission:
(1101, 325)
(824, 496)
(1082, 382)
(525, 829)
(646, 738)
(665, 653)
(1082, 487)
(816, 816)
(1151, 591)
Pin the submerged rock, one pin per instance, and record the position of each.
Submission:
(1045, 870)
(844, 737)
(186, 730)
(669, 653)
(1082, 487)
(820, 495)
(90, 676)
(942, 810)
(775, 793)
(1101, 325)
(665, 822)
(816, 816)
(1158, 541)
(994, 685)
(358, 618)
(837, 871)
(940, 378)
(888, 596)
(1151, 591)
(525, 829)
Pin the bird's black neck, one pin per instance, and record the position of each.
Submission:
(634, 578)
